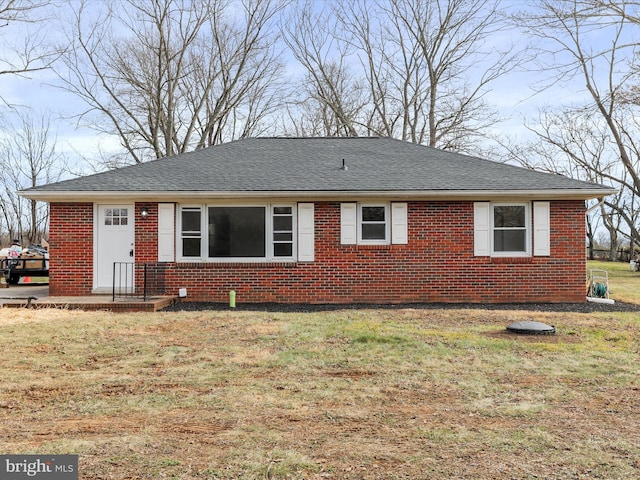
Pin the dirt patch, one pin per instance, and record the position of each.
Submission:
(353, 374)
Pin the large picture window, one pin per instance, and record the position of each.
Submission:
(238, 232)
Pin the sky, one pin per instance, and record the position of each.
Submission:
(513, 96)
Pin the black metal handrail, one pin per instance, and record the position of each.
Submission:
(131, 279)
(123, 271)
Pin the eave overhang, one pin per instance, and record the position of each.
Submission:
(441, 195)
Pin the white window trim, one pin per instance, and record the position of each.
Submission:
(179, 256)
(527, 225)
(387, 224)
(204, 229)
(270, 256)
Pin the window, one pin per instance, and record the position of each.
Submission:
(510, 229)
(191, 232)
(283, 231)
(373, 225)
(116, 216)
(238, 232)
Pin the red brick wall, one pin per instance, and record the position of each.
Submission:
(146, 233)
(436, 266)
(71, 249)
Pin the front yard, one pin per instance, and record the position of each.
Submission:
(347, 394)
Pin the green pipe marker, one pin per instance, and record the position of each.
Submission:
(232, 299)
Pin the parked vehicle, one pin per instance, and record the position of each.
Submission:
(33, 262)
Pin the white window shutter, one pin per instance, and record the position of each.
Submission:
(399, 224)
(166, 232)
(348, 223)
(482, 229)
(306, 232)
(541, 229)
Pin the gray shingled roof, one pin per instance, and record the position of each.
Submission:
(314, 165)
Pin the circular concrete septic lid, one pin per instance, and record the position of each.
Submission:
(532, 328)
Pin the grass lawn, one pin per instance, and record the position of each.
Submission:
(624, 284)
(351, 394)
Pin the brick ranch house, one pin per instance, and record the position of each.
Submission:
(325, 220)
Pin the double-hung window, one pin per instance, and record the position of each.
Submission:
(191, 232)
(510, 229)
(374, 224)
(282, 230)
(237, 233)
(514, 229)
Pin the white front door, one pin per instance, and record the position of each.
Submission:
(115, 237)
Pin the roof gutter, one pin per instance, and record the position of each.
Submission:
(171, 196)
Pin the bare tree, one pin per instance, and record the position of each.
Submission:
(604, 142)
(331, 103)
(445, 41)
(407, 69)
(168, 76)
(27, 53)
(28, 158)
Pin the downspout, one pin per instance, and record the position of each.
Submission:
(601, 201)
